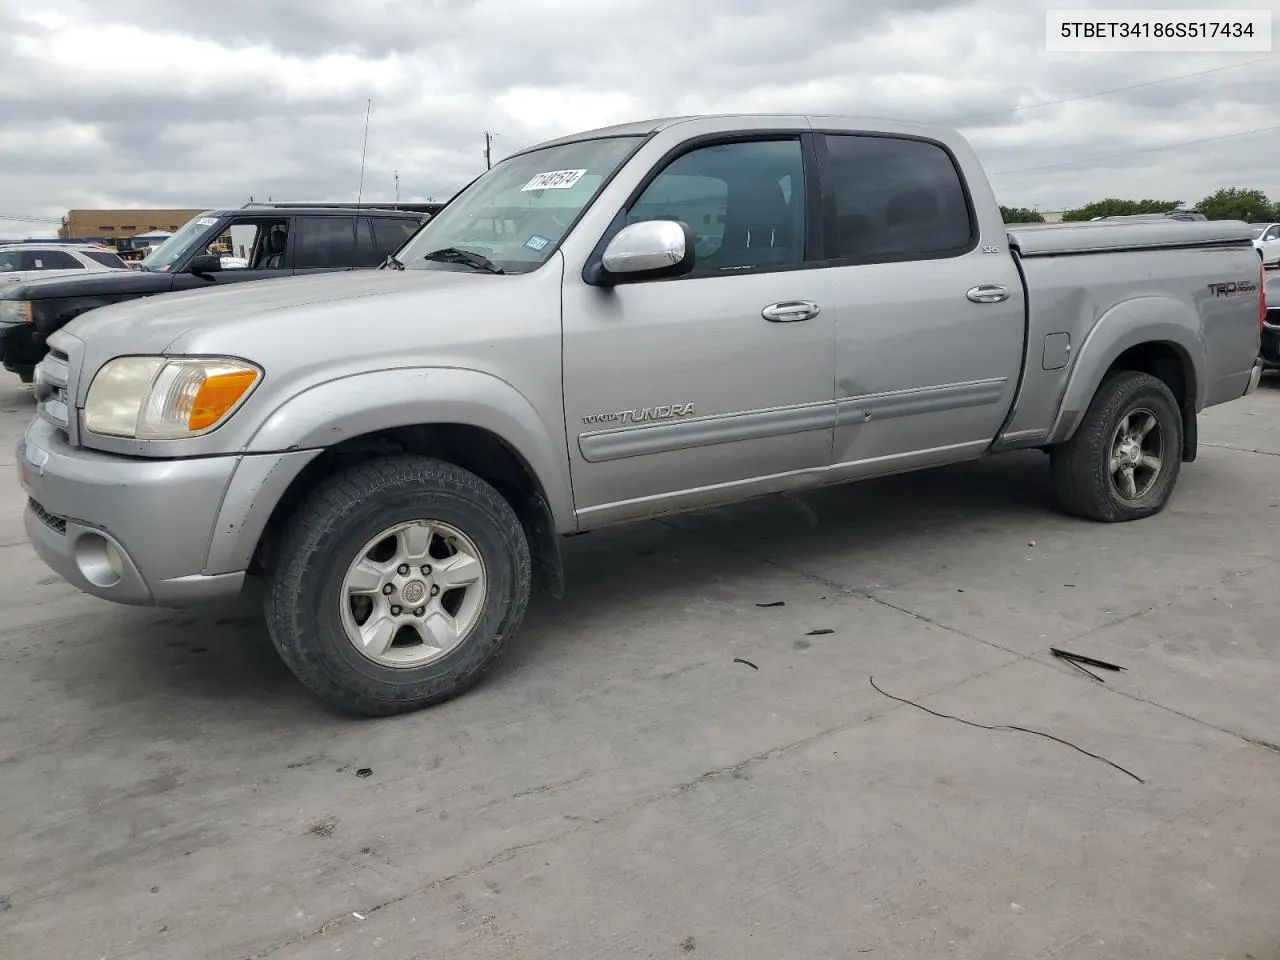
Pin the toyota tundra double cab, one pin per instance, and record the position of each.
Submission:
(615, 325)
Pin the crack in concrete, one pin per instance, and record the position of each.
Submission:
(1227, 446)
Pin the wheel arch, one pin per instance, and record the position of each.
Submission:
(475, 449)
(1153, 335)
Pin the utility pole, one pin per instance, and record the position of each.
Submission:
(488, 150)
(396, 175)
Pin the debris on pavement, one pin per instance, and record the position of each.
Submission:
(1004, 726)
(364, 772)
(1080, 662)
(747, 662)
(773, 603)
(820, 632)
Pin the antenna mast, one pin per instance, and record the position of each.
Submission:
(364, 150)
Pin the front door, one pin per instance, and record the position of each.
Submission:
(250, 248)
(679, 392)
(929, 309)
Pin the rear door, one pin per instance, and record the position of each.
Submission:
(324, 244)
(929, 311)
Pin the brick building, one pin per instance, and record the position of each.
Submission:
(115, 224)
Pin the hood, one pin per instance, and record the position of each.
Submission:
(154, 323)
(83, 283)
(307, 329)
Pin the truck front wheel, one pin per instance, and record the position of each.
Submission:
(397, 585)
(1123, 461)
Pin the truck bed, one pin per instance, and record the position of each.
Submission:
(1154, 275)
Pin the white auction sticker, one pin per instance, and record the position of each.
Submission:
(207, 221)
(554, 180)
(1157, 31)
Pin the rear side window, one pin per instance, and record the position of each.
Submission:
(894, 199)
(325, 242)
(389, 234)
(104, 258)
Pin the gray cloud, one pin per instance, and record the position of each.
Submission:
(143, 103)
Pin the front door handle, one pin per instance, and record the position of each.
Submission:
(988, 293)
(789, 311)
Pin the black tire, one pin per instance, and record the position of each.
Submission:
(326, 533)
(1082, 480)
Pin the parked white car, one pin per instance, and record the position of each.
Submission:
(1266, 240)
(32, 261)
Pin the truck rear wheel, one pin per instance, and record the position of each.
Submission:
(1124, 459)
(397, 585)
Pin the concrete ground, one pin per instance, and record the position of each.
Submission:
(622, 787)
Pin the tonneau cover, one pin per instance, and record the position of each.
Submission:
(1052, 239)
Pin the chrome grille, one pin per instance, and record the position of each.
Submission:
(52, 521)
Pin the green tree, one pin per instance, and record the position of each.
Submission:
(1112, 207)
(1020, 215)
(1238, 203)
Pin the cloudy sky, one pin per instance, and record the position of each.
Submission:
(200, 104)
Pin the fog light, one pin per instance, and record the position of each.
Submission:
(99, 560)
(114, 560)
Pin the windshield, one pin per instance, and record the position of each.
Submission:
(163, 257)
(517, 213)
(1258, 231)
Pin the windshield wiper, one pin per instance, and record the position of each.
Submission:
(454, 255)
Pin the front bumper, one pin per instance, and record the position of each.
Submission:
(125, 529)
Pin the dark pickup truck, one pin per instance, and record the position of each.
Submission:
(213, 249)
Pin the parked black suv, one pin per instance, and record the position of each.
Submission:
(255, 242)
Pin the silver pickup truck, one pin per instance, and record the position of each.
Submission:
(624, 323)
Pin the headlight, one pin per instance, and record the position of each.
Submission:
(15, 311)
(162, 398)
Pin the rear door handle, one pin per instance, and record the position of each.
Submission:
(789, 311)
(988, 293)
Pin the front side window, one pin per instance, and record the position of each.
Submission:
(50, 260)
(517, 213)
(744, 203)
(1273, 234)
(895, 199)
(10, 260)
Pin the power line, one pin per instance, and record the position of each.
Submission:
(1104, 93)
(25, 218)
(1134, 153)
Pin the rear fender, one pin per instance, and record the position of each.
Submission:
(1131, 324)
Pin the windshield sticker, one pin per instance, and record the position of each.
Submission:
(207, 221)
(554, 180)
(536, 242)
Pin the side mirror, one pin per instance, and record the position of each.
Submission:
(649, 250)
(205, 263)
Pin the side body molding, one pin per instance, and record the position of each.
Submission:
(1128, 324)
